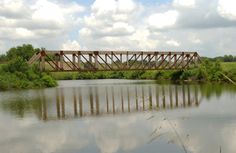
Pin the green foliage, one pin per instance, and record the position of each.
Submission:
(3, 58)
(133, 74)
(225, 58)
(231, 74)
(25, 51)
(229, 58)
(18, 75)
(48, 81)
(207, 71)
(228, 66)
(176, 75)
(16, 65)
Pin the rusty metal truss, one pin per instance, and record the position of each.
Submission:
(114, 60)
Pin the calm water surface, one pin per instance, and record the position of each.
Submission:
(119, 116)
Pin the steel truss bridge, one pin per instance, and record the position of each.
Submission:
(56, 61)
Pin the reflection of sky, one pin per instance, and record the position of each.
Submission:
(131, 133)
(206, 128)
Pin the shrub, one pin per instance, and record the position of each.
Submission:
(18, 64)
(18, 75)
(48, 81)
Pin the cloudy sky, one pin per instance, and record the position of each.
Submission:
(208, 27)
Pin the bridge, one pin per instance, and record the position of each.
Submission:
(67, 60)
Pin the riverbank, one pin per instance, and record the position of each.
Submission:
(206, 72)
(18, 75)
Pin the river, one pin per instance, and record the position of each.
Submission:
(119, 116)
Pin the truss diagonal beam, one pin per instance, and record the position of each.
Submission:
(114, 60)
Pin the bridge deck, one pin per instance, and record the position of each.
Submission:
(113, 60)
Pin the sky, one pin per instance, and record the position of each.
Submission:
(205, 26)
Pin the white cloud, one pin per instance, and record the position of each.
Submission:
(141, 39)
(23, 32)
(121, 24)
(71, 45)
(13, 9)
(36, 20)
(226, 9)
(173, 43)
(45, 10)
(101, 7)
(72, 8)
(184, 3)
(109, 18)
(40, 22)
(163, 20)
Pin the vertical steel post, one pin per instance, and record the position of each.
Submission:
(96, 59)
(106, 61)
(79, 59)
(127, 59)
(42, 61)
(73, 60)
(61, 60)
(169, 61)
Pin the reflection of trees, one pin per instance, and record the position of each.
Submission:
(209, 90)
(22, 106)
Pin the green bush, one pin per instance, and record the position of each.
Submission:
(176, 75)
(16, 65)
(18, 75)
(48, 81)
(26, 51)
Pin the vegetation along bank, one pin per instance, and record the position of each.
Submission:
(15, 73)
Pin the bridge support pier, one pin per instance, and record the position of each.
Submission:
(61, 60)
(42, 61)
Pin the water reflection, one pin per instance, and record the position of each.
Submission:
(98, 101)
(118, 118)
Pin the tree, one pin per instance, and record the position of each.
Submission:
(228, 58)
(3, 58)
(25, 51)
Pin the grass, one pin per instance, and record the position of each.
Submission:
(228, 66)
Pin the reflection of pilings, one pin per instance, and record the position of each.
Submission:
(188, 92)
(107, 100)
(183, 91)
(163, 97)
(150, 97)
(143, 100)
(136, 98)
(75, 102)
(62, 103)
(58, 103)
(176, 96)
(44, 107)
(122, 99)
(171, 99)
(97, 100)
(128, 99)
(166, 97)
(196, 95)
(157, 97)
(113, 101)
(80, 103)
(91, 100)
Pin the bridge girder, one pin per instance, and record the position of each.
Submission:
(66, 60)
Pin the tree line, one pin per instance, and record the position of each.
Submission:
(225, 58)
